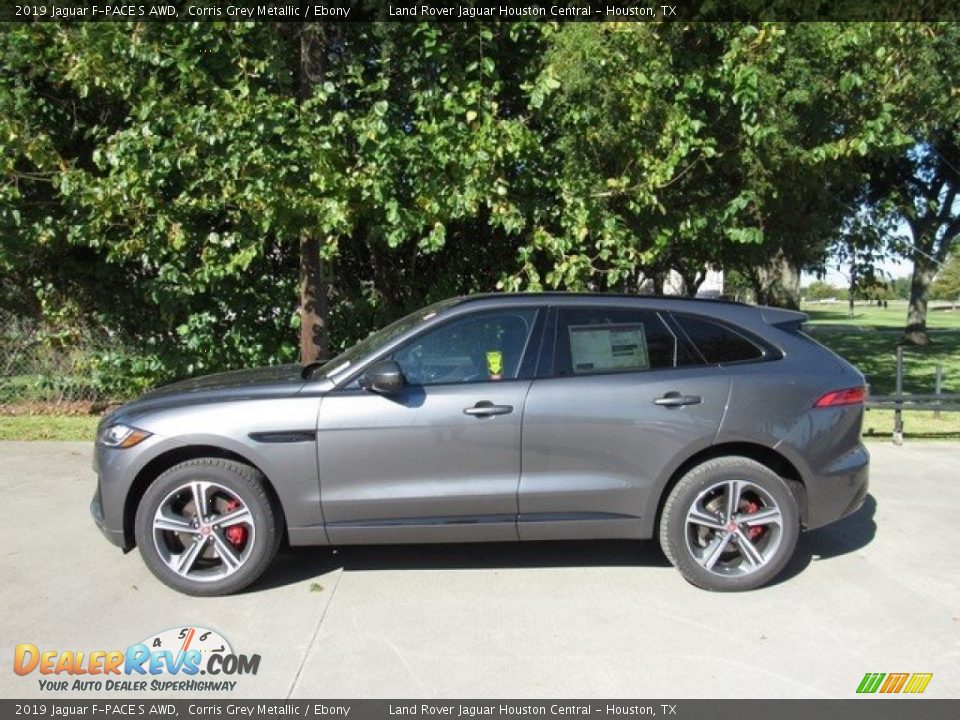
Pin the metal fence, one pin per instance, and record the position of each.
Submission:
(41, 364)
(935, 402)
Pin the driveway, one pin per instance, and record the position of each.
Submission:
(878, 592)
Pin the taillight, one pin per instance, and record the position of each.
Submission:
(849, 396)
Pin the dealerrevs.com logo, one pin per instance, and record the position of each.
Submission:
(186, 659)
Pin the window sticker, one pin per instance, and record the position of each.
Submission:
(603, 348)
(495, 364)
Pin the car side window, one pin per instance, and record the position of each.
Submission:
(718, 343)
(483, 347)
(605, 340)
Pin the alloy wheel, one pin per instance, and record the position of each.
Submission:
(203, 531)
(733, 528)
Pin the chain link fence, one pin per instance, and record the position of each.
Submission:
(40, 364)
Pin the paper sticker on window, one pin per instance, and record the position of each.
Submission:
(605, 348)
(495, 364)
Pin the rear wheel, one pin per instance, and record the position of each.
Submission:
(208, 526)
(730, 524)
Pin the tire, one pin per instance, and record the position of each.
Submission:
(716, 552)
(209, 556)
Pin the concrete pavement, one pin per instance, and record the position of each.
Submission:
(878, 592)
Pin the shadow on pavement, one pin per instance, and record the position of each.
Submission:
(840, 538)
(294, 565)
(298, 564)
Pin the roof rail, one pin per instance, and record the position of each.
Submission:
(633, 296)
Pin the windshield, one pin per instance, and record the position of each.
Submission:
(380, 337)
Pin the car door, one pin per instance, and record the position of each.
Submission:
(439, 460)
(623, 400)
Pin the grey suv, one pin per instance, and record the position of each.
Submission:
(718, 427)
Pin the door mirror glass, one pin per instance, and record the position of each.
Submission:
(383, 377)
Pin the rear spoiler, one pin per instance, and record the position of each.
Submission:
(789, 320)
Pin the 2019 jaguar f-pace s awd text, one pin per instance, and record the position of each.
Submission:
(719, 428)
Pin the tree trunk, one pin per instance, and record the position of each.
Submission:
(923, 273)
(779, 283)
(692, 281)
(658, 281)
(852, 290)
(314, 310)
(313, 301)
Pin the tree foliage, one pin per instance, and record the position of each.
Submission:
(820, 290)
(946, 286)
(158, 180)
(917, 181)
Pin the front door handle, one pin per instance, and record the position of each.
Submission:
(675, 399)
(485, 408)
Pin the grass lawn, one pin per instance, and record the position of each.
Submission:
(869, 340)
(48, 427)
(893, 317)
(878, 425)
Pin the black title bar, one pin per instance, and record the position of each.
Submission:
(68, 11)
(124, 708)
(897, 709)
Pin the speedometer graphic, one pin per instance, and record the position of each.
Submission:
(182, 639)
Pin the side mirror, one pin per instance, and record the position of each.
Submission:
(383, 377)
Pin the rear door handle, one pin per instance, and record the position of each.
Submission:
(675, 399)
(485, 408)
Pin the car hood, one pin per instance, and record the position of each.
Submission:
(268, 382)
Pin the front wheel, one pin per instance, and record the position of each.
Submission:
(730, 524)
(208, 526)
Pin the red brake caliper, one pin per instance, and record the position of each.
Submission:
(756, 531)
(237, 534)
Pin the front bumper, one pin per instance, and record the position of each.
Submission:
(115, 470)
(96, 510)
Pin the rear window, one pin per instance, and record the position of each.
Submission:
(718, 343)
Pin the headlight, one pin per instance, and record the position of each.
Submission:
(121, 436)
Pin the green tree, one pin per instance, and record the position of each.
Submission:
(946, 285)
(900, 288)
(820, 290)
(211, 161)
(917, 76)
(682, 147)
(211, 190)
(628, 183)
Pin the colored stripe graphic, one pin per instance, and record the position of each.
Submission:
(918, 683)
(894, 683)
(870, 682)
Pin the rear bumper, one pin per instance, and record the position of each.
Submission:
(840, 491)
